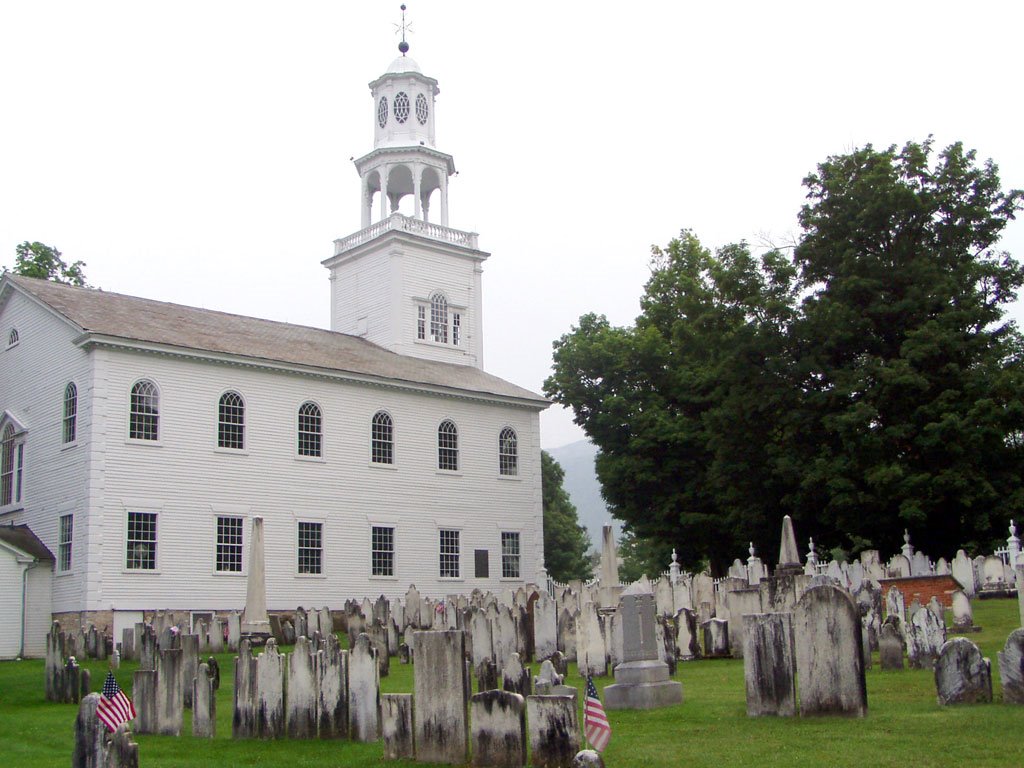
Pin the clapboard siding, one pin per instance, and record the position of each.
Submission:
(362, 290)
(33, 376)
(188, 479)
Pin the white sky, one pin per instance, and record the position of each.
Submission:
(198, 152)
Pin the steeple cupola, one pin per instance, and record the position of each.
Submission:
(406, 280)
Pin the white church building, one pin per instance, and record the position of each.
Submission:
(140, 438)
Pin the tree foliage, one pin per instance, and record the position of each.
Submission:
(867, 383)
(45, 262)
(565, 540)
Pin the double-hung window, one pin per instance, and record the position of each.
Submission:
(382, 439)
(310, 430)
(229, 544)
(144, 412)
(231, 421)
(311, 547)
(510, 554)
(12, 465)
(140, 554)
(70, 423)
(508, 452)
(448, 446)
(449, 554)
(382, 550)
(67, 530)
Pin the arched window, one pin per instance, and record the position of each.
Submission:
(508, 452)
(439, 318)
(382, 439)
(12, 337)
(310, 435)
(144, 412)
(448, 446)
(231, 421)
(7, 466)
(70, 412)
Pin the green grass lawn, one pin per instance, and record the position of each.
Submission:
(710, 728)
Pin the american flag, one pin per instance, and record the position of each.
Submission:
(595, 724)
(114, 708)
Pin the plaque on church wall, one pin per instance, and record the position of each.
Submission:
(482, 567)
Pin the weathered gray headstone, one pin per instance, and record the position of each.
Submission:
(499, 729)
(170, 693)
(769, 664)
(303, 696)
(716, 638)
(553, 730)
(687, 643)
(363, 691)
(545, 627)
(332, 691)
(741, 602)
(90, 735)
(1011, 668)
(189, 665)
(441, 689)
(925, 636)
(270, 718)
(963, 613)
(642, 679)
(243, 718)
(591, 649)
(144, 699)
(829, 658)
(895, 605)
(234, 630)
(890, 646)
(963, 571)
(121, 751)
(962, 676)
(204, 704)
(588, 758)
(396, 725)
(128, 644)
(515, 677)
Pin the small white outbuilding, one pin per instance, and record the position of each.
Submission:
(26, 570)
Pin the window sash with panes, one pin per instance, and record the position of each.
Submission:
(456, 328)
(449, 554)
(231, 422)
(448, 446)
(144, 416)
(140, 554)
(382, 439)
(421, 322)
(67, 530)
(310, 549)
(508, 453)
(7, 451)
(510, 555)
(229, 544)
(70, 413)
(439, 319)
(310, 434)
(382, 550)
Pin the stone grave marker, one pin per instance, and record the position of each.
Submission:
(962, 676)
(1011, 668)
(890, 646)
(441, 687)
(363, 691)
(396, 725)
(553, 730)
(769, 664)
(498, 729)
(204, 704)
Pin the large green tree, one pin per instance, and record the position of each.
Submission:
(867, 383)
(565, 540)
(45, 262)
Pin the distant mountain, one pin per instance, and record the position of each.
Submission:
(577, 460)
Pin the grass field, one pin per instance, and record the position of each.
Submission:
(904, 724)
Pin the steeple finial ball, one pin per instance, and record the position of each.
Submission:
(403, 47)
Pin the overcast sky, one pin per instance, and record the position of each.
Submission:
(198, 152)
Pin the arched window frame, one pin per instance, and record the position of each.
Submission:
(448, 446)
(12, 338)
(144, 411)
(382, 438)
(310, 431)
(439, 318)
(69, 424)
(231, 421)
(12, 461)
(508, 452)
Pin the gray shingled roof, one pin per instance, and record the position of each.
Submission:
(157, 322)
(21, 536)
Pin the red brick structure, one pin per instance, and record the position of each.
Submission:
(923, 588)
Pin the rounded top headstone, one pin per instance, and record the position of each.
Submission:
(587, 758)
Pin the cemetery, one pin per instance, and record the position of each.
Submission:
(803, 661)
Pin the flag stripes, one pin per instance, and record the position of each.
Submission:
(114, 708)
(595, 722)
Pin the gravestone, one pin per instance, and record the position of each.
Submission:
(1011, 668)
(363, 691)
(925, 636)
(963, 613)
(243, 717)
(553, 730)
(937, 609)
(332, 691)
(890, 646)
(590, 643)
(303, 697)
(170, 693)
(189, 665)
(687, 644)
(641, 680)
(503, 636)
(442, 690)
(716, 638)
(962, 676)
(664, 601)
(962, 568)
(216, 635)
(895, 605)
(769, 664)
(740, 603)
(567, 633)
(270, 713)
(498, 729)
(144, 699)
(515, 677)
(255, 624)
(829, 657)
(204, 704)
(613, 638)
(234, 630)
(545, 627)
(128, 644)
(588, 758)
(480, 629)
(396, 725)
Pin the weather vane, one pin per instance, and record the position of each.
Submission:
(403, 28)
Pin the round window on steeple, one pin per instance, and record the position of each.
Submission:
(421, 108)
(402, 107)
(382, 112)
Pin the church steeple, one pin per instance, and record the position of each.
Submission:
(404, 160)
(406, 282)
